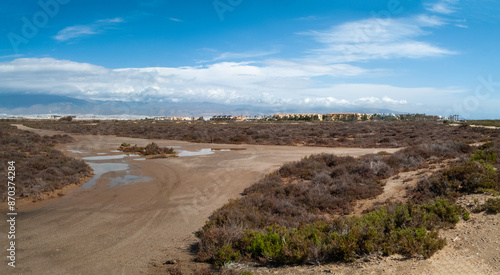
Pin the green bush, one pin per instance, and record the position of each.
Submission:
(486, 154)
(405, 229)
(226, 254)
(443, 212)
(491, 206)
(471, 177)
(268, 245)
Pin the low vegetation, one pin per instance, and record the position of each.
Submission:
(297, 214)
(366, 134)
(492, 122)
(302, 213)
(404, 229)
(39, 167)
(151, 149)
(477, 174)
(491, 206)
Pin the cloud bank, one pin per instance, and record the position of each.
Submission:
(274, 83)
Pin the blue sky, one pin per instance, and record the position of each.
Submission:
(435, 57)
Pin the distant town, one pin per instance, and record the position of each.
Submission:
(274, 117)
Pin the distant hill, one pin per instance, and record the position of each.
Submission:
(30, 104)
(13, 101)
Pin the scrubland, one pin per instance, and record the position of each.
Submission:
(367, 134)
(39, 167)
(298, 214)
(303, 213)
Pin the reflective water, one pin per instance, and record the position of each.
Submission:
(206, 151)
(101, 169)
(109, 157)
(128, 179)
(76, 151)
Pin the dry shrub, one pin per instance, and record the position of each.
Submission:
(283, 217)
(331, 134)
(39, 167)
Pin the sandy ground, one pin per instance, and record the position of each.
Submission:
(127, 229)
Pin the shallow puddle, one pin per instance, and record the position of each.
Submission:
(76, 151)
(109, 157)
(101, 169)
(128, 179)
(206, 151)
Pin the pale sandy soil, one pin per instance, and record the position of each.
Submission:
(129, 229)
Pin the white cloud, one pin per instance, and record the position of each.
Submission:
(370, 99)
(374, 30)
(377, 38)
(376, 101)
(393, 101)
(276, 83)
(77, 31)
(461, 23)
(175, 19)
(309, 18)
(430, 21)
(213, 82)
(74, 32)
(111, 20)
(442, 6)
(369, 51)
(243, 55)
(11, 56)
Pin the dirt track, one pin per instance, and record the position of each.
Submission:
(122, 229)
